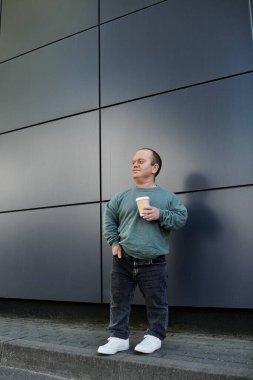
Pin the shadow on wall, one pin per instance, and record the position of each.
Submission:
(193, 249)
(202, 223)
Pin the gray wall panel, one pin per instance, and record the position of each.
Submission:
(52, 82)
(207, 129)
(251, 13)
(173, 44)
(210, 264)
(110, 9)
(29, 24)
(202, 131)
(51, 254)
(50, 164)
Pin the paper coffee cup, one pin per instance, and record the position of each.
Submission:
(141, 203)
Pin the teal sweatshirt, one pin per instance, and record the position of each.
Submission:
(141, 239)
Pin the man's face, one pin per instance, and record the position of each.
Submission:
(142, 166)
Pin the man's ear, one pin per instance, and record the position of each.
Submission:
(155, 168)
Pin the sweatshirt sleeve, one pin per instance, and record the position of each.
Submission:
(175, 216)
(111, 223)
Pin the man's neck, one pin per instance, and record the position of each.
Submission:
(146, 184)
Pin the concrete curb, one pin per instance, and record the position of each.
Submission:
(86, 364)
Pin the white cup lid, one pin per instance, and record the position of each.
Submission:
(140, 198)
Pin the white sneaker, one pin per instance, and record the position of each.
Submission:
(149, 344)
(113, 346)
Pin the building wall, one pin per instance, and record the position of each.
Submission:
(83, 85)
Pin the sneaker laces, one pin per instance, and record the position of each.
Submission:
(112, 341)
(150, 338)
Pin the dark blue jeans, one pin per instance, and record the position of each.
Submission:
(152, 278)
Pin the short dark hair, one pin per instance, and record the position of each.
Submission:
(156, 159)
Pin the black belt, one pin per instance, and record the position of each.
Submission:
(154, 260)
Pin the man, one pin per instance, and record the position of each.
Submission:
(139, 248)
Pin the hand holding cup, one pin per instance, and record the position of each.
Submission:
(148, 212)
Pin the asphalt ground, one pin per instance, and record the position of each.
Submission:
(68, 349)
(7, 373)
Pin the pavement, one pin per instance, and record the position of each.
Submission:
(20, 374)
(68, 349)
